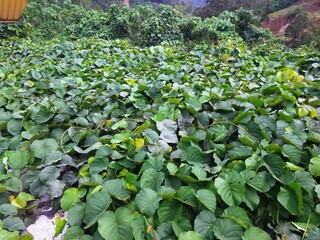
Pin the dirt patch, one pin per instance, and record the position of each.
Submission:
(279, 21)
(279, 25)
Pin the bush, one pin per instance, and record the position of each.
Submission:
(163, 27)
(300, 31)
(248, 27)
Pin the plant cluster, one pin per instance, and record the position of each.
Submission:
(160, 143)
(142, 25)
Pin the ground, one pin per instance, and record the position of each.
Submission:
(279, 21)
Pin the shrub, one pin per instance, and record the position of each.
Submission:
(163, 27)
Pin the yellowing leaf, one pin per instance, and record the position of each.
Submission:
(139, 143)
(130, 81)
(302, 112)
(313, 113)
(149, 229)
(19, 202)
(11, 198)
(108, 123)
(131, 187)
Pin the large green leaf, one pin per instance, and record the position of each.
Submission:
(41, 147)
(276, 166)
(292, 153)
(76, 213)
(115, 188)
(18, 159)
(95, 207)
(147, 201)
(152, 179)
(187, 196)
(69, 198)
(231, 187)
(14, 126)
(314, 166)
(207, 198)
(180, 225)
(43, 115)
(14, 224)
(291, 198)
(170, 210)
(226, 229)
(190, 235)
(117, 225)
(260, 181)
(238, 215)
(255, 233)
(203, 224)
(49, 174)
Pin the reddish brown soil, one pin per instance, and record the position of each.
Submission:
(279, 24)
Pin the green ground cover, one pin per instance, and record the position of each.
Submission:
(220, 142)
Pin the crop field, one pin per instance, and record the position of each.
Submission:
(217, 142)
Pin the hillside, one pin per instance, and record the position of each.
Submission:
(279, 21)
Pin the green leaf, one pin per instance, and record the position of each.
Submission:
(6, 235)
(314, 166)
(241, 152)
(75, 233)
(220, 132)
(305, 180)
(193, 155)
(147, 201)
(260, 181)
(231, 187)
(14, 224)
(116, 189)
(41, 147)
(292, 153)
(49, 174)
(194, 104)
(138, 228)
(187, 196)
(203, 224)
(208, 199)
(313, 234)
(291, 198)
(277, 168)
(55, 188)
(95, 207)
(76, 214)
(180, 225)
(190, 235)
(43, 115)
(8, 210)
(59, 225)
(18, 159)
(170, 210)
(14, 126)
(69, 198)
(117, 225)
(226, 229)
(122, 124)
(255, 233)
(152, 179)
(238, 215)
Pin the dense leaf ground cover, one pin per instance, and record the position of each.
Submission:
(160, 143)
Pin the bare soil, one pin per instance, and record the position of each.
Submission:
(279, 21)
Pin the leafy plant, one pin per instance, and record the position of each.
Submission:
(160, 142)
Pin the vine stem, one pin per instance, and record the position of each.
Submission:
(284, 233)
(306, 230)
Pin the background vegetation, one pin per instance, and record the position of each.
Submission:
(145, 124)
